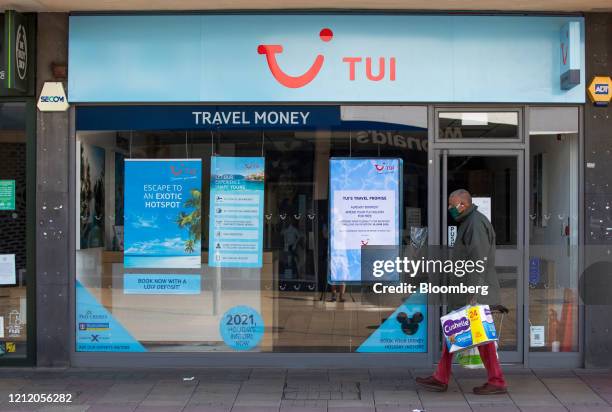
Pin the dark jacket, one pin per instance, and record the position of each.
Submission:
(475, 241)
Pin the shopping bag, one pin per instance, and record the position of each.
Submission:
(470, 358)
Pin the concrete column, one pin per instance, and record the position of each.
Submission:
(52, 178)
(596, 280)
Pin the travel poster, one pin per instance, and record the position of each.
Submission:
(163, 213)
(364, 210)
(236, 211)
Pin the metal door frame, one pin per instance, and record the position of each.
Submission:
(439, 149)
(529, 359)
(440, 192)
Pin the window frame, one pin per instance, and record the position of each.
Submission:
(491, 108)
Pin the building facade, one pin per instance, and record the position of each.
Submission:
(190, 206)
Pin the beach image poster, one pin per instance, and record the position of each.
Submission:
(365, 195)
(236, 212)
(163, 213)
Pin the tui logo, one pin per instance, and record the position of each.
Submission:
(375, 70)
(293, 82)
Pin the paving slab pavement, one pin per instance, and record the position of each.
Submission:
(297, 390)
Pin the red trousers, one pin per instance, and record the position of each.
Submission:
(488, 354)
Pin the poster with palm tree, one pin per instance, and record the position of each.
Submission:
(163, 213)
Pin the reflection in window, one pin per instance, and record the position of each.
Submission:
(553, 243)
(478, 125)
(491, 179)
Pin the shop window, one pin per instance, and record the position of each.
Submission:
(492, 181)
(280, 295)
(478, 125)
(13, 246)
(553, 242)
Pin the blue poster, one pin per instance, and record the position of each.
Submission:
(163, 213)
(236, 211)
(242, 327)
(96, 328)
(404, 331)
(161, 284)
(364, 210)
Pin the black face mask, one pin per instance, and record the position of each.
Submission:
(409, 326)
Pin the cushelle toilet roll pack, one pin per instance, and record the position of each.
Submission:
(468, 327)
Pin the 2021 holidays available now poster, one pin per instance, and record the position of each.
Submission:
(163, 213)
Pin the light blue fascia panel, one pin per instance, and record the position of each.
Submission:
(214, 58)
(134, 58)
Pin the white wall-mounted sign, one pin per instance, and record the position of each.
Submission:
(52, 98)
(7, 269)
(484, 205)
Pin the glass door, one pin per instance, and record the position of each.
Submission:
(494, 178)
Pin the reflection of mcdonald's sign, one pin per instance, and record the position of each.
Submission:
(391, 138)
(451, 133)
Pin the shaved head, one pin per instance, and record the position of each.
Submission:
(460, 196)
